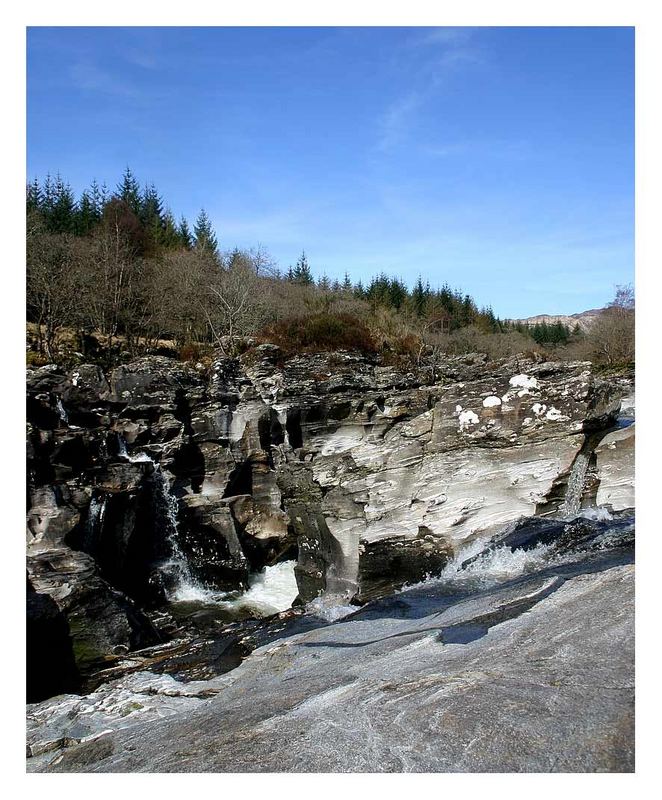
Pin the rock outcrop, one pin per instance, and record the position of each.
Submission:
(372, 476)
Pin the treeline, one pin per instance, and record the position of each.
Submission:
(548, 333)
(117, 269)
(119, 264)
(150, 225)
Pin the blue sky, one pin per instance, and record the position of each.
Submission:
(500, 160)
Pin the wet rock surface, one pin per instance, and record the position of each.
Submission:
(517, 659)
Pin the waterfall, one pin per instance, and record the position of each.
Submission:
(175, 568)
(271, 590)
(61, 411)
(577, 480)
(575, 489)
(94, 525)
(122, 452)
(136, 458)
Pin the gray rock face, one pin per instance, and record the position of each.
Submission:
(372, 476)
(506, 664)
(615, 468)
(411, 471)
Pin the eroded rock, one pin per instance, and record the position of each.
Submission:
(371, 475)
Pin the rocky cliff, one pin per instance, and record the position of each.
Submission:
(160, 473)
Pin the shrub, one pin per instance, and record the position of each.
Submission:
(320, 332)
(494, 345)
(193, 351)
(34, 359)
(612, 337)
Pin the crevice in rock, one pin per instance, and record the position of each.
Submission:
(293, 428)
(240, 480)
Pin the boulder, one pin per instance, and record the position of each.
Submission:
(90, 621)
(209, 538)
(155, 383)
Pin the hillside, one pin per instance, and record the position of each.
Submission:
(585, 319)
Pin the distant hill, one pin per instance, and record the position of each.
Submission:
(584, 319)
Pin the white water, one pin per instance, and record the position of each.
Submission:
(121, 447)
(177, 565)
(330, 611)
(135, 458)
(96, 515)
(271, 590)
(599, 513)
(499, 565)
(61, 411)
(491, 568)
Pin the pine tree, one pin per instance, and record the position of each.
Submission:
(468, 310)
(101, 197)
(33, 196)
(419, 297)
(169, 232)
(62, 215)
(184, 233)
(151, 215)
(491, 319)
(128, 190)
(95, 203)
(48, 196)
(86, 216)
(397, 294)
(96, 199)
(151, 204)
(205, 238)
(347, 283)
(302, 273)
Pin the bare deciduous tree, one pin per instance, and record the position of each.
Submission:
(53, 285)
(233, 304)
(111, 289)
(612, 336)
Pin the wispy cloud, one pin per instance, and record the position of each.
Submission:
(397, 119)
(446, 36)
(431, 58)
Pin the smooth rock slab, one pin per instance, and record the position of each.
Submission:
(530, 676)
